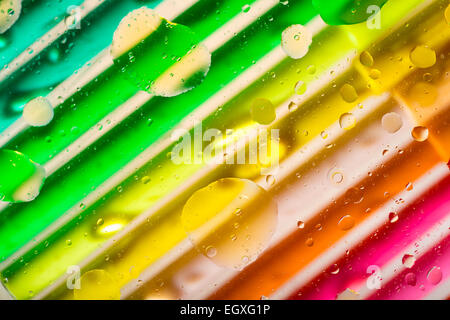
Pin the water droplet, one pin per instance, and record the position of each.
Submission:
(165, 65)
(409, 186)
(348, 93)
(393, 217)
(434, 276)
(295, 41)
(391, 122)
(420, 133)
(423, 57)
(311, 69)
(9, 13)
(21, 179)
(309, 242)
(97, 285)
(375, 74)
(145, 180)
(334, 269)
(408, 261)
(347, 121)
(410, 279)
(263, 111)
(211, 252)
(246, 8)
(300, 87)
(293, 107)
(270, 180)
(38, 112)
(210, 221)
(366, 59)
(346, 223)
(300, 224)
(68, 242)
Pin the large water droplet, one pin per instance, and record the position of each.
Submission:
(295, 41)
(160, 57)
(234, 216)
(391, 122)
(21, 179)
(348, 93)
(366, 59)
(263, 111)
(9, 13)
(423, 57)
(38, 112)
(434, 276)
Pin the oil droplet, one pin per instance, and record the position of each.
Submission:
(408, 261)
(391, 122)
(420, 133)
(300, 88)
(263, 111)
(347, 121)
(158, 56)
(21, 179)
(410, 279)
(9, 13)
(423, 57)
(346, 223)
(211, 214)
(38, 112)
(434, 276)
(309, 242)
(393, 217)
(300, 224)
(97, 285)
(295, 41)
(366, 59)
(348, 93)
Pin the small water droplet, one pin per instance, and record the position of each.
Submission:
(420, 133)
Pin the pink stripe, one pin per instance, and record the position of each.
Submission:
(380, 248)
